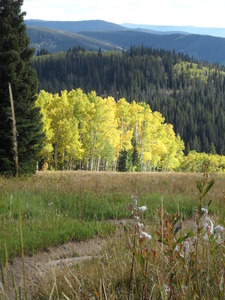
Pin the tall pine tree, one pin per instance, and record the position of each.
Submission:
(15, 68)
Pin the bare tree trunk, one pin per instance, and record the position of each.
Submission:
(14, 131)
(99, 158)
(56, 156)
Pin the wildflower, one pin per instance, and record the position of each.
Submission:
(206, 238)
(144, 235)
(219, 229)
(142, 208)
(135, 198)
(186, 248)
(166, 289)
(140, 225)
(205, 210)
(184, 288)
(208, 224)
(219, 239)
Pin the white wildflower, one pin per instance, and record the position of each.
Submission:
(219, 239)
(205, 209)
(142, 208)
(208, 224)
(206, 238)
(140, 225)
(143, 234)
(184, 288)
(219, 229)
(187, 246)
(166, 289)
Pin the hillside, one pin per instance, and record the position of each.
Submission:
(200, 47)
(108, 36)
(75, 26)
(217, 32)
(189, 94)
(57, 41)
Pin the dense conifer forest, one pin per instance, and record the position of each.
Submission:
(188, 93)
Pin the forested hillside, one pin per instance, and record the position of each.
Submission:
(56, 41)
(201, 47)
(76, 26)
(190, 95)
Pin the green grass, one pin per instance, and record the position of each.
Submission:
(54, 218)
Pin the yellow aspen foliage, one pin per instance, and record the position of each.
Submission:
(43, 102)
(88, 131)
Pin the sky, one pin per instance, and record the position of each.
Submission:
(199, 13)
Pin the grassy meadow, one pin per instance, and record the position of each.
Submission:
(52, 208)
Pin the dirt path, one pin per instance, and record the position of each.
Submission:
(42, 262)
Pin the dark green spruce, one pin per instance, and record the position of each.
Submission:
(15, 68)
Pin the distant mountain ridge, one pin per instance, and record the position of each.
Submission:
(217, 32)
(76, 26)
(56, 36)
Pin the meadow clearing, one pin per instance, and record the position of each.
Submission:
(64, 217)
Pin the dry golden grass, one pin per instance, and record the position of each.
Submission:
(108, 276)
(110, 182)
(103, 278)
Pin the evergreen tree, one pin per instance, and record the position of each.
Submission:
(122, 161)
(15, 62)
(135, 157)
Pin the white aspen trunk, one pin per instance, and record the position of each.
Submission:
(116, 164)
(92, 162)
(63, 157)
(99, 158)
(56, 155)
(93, 152)
(142, 154)
(121, 134)
(70, 162)
(136, 134)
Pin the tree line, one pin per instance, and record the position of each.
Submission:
(188, 93)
